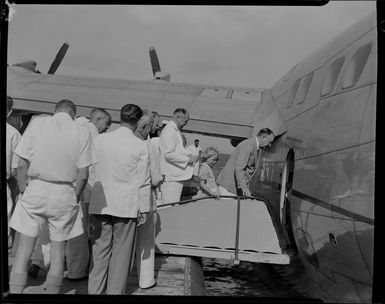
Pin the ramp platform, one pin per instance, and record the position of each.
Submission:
(229, 228)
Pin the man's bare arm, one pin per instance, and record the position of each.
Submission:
(81, 182)
(21, 174)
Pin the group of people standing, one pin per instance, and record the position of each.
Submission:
(78, 183)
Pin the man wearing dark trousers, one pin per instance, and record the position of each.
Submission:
(119, 200)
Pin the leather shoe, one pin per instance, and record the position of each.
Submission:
(77, 279)
(149, 287)
(33, 271)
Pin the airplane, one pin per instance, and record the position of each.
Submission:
(320, 175)
(314, 214)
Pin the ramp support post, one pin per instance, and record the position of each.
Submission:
(236, 260)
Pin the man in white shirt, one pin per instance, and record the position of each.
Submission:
(119, 198)
(196, 150)
(12, 138)
(53, 161)
(145, 241)
(177, 163)
(77, 253)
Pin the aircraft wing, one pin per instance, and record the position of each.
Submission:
(221, 111)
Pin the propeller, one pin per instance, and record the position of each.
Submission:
(154, 61)
(58, 59)
(158, 74)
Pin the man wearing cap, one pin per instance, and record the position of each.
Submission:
(53, 161)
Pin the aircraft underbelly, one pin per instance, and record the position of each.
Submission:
(212, 228)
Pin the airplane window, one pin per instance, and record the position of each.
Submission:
(356, 66)
(304, 88)
(331, 78)
(293, 93)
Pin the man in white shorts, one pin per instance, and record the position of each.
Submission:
(77, 250)
(54, 152)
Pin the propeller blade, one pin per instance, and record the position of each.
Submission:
(58, 59)
(154, 60)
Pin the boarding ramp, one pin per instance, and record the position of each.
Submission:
(235, 228)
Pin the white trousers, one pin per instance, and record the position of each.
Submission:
(145, 251)
(171, 191)
(9, 207)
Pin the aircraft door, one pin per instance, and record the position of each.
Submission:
(284, 202)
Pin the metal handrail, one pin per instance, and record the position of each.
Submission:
(208, 197)
(236, 260)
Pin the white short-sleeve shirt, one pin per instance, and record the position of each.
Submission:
(56, 147)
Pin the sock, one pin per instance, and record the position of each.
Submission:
(17, 282)
(53, 284)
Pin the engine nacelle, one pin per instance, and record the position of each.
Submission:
(29, 65)
(162, 76)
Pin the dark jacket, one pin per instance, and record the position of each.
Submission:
(240, 166)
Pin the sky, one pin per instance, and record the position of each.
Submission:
(243, 46)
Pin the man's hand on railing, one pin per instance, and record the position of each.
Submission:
(246, 191)
(217, 195)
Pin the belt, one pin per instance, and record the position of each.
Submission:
(53, 182)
